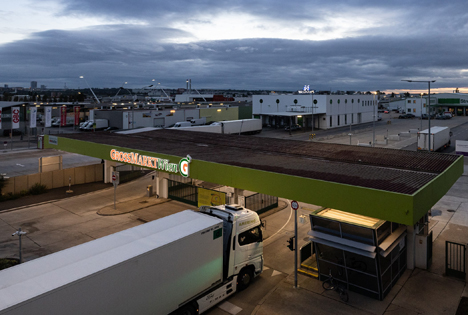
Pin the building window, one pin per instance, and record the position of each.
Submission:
(352, 101)
(331, 102)
(409, 101)
(338, 120)
(409, 110)
(346, 101)
(358, 100)
(338, 103)
(414, 102)
(345, 119)
(330, 121)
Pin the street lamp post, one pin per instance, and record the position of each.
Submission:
(373, 121)
(429, 106)
(421, 111)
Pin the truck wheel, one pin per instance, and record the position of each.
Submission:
(187, 309)
(244, 279)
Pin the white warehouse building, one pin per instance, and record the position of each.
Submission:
(328, 111)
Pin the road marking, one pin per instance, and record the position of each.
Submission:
(230, 308)
(290, 215)
(20, 165)
(275, 273)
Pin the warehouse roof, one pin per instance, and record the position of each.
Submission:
(387, 171)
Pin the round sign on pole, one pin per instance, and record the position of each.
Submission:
(294, 205)
(114, 177)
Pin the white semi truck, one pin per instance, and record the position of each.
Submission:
(243, 126)
(440, 138)
(97, 124)
(184, 263)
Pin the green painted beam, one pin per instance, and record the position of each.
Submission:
(395, 207)
(429, 195)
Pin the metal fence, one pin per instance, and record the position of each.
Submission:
(455, 259)
(130, 172)
(18, 143)
(261, 202)
(183, 192)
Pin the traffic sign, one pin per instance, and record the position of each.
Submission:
(294, 205)
(115, 178)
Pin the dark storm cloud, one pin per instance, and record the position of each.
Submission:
(110, 55)
(420, 39)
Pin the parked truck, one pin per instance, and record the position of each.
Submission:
(96, 124)
(242, 126)
(198, 121)
(184, 263)
(439, 138)
(182, 124)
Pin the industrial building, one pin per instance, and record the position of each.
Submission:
(325, 110)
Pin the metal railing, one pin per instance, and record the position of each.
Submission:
(455, 259)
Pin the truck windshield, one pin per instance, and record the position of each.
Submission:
(251, 236)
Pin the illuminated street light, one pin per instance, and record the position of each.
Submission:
(429, 106)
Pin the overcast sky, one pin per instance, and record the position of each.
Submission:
(273, 45)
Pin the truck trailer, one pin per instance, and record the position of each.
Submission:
(440, 138)
(184, 263)
(96, 124)
(242, 126)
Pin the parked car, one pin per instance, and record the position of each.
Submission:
(442, 117)
(426, 116)
(386, 112)
(293, 127)
(406, 116)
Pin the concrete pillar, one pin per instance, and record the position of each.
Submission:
(108, 169)
(161, 184)
(238, 192)
(410, 247)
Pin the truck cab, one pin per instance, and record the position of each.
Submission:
(242, 242)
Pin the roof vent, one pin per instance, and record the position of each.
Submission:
(234, 207)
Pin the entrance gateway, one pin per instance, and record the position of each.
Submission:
(395, 186)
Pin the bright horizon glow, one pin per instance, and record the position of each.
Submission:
(238, 25)
(461, 90)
